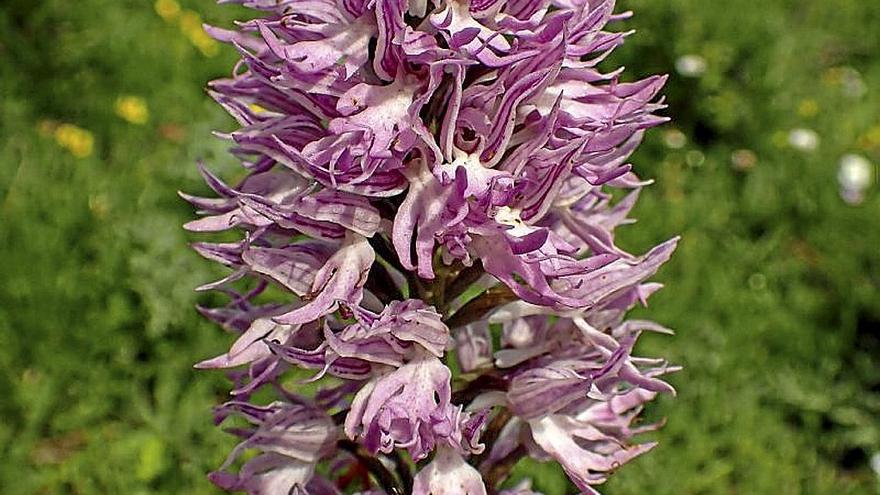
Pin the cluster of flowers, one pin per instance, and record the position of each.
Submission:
(432, 180)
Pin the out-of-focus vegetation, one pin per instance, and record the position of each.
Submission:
(774, 290)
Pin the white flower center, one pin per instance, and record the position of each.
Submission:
(512, 216)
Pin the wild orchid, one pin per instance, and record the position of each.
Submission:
(428, 212)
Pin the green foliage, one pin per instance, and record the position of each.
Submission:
(774, 290)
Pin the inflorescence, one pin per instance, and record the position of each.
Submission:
(431, 185)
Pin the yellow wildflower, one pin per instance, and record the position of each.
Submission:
(167, 9)
(78, 141)
(191, 27)
(132, 109)
(204, 43)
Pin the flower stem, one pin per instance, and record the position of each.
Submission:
(477, 308)
(404, 470)
(496, 473)
(374, 466)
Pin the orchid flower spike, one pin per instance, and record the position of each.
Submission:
(426, 279)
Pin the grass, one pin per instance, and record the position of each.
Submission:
(774, 290)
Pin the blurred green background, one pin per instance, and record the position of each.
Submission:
(773, 292)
